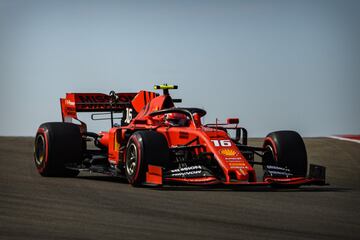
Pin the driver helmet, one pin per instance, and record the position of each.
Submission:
(176, 119)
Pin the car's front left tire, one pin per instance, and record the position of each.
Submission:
(143, 148)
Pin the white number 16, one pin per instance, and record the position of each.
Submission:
(222, 143)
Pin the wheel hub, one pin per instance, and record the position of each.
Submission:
(40, 149)
(132, 159)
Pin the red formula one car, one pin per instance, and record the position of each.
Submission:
(153, 142)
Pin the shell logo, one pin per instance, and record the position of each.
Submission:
(228, 152)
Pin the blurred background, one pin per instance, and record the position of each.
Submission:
(274, 64)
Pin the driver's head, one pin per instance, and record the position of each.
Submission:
(176, 119)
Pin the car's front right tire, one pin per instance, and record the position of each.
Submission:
(286, 149)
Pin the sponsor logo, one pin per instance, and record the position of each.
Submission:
(183, 135)
(183, 174)
(237, 164)
(69, 102)
(233, 159)
(102, 98)
(101, 101)
(228, 152)
(191, 168)
(277, 171)
(186, 171)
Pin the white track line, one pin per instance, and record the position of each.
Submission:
(345, 139)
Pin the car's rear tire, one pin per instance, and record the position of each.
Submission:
(143, 148)
(57, 144)
(286, 149)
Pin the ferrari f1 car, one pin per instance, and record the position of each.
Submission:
(155, 143)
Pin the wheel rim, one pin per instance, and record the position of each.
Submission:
(40, 149)
(132, 160)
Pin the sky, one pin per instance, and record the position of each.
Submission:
(275, 65)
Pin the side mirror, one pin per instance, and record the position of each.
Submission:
(232, 121)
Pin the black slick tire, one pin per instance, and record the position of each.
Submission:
(143, 148)
(286, 149)
(57, 144)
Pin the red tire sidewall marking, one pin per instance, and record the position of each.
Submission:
(43, 132)
(138, 149)
(273, 145)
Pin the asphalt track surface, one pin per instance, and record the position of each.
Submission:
(101, 207)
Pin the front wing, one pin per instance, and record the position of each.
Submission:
(316, 177)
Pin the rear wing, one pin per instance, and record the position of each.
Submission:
(99, 102)
(94, 102)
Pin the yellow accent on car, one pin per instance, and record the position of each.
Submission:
(165, 86)
(116, 145)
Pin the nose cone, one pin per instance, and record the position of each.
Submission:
(236, 167)
(229, 157)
